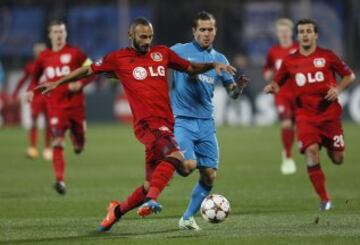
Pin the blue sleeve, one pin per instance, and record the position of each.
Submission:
(176, 48)
(225, 77)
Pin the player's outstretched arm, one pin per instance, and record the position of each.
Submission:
(235, 89)
(75, 75)
(197, 68)
(333, 92)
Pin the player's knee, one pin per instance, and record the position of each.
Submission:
(58, 142)
(208, 176)
(286, 124)
(312, 155)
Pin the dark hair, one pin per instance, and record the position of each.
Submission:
(139, 21)
(307, 21)
(55, 22)
(202, 15)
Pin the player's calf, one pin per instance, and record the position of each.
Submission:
(337, 157)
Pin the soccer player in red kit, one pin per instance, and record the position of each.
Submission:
(311, 71)
(142, 70)
(66, 106)
(37, 107)
(284, 99)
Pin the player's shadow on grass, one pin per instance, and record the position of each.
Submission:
(111, 236)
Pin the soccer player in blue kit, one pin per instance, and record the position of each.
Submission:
(191, 100)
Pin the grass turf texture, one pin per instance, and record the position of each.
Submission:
(267, 207)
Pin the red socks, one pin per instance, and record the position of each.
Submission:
(133, 201)
(287, 137)
(33, 136)
(161, 176)
(58, 163)
(317, 179)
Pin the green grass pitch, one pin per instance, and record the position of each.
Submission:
(267, 208)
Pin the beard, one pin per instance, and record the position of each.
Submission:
(143, 49)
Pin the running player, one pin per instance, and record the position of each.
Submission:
(37, 107)
(311, 71)
(284, 100)
(191, 100)
(66, 106)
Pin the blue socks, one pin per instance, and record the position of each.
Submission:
(199, 193)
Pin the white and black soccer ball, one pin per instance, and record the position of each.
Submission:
(215, 208)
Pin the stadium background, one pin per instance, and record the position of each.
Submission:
(245, 33)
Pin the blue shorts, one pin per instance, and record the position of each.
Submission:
(197, 140)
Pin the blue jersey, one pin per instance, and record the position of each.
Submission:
(192, 96)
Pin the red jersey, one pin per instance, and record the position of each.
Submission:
(144, 78)
(54, 65)
(274, 60)
(311, 77)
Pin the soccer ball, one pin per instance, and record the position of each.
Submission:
(215, 208)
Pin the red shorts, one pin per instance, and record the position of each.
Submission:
(38, 106)
(285, 106)
(157, 136)
(73, 119)
(327, 133)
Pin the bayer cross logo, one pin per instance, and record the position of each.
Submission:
(65, 58)
(319, 62)
(139, 73)
(156, 56)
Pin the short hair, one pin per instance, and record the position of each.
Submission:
(285, 22)
(139, 21)
(55, 22)
(202, 15)
(305, 22)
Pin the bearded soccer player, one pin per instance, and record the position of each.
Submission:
(191, 100)
(66, 106)
(142, 70)
(311, 71)
(37, 107)
(284, 99)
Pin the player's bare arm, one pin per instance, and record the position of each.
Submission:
(235, 89)
(197, 68)
(75, 75)
(334, 92)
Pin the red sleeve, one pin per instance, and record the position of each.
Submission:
(339, 66)
(282, 75)
(106, 64)
(35, 78)
(22, 80)
(269, 64)
(176, 62)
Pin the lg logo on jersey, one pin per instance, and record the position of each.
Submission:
(140, 73)
(309, 77)
(59, 71)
